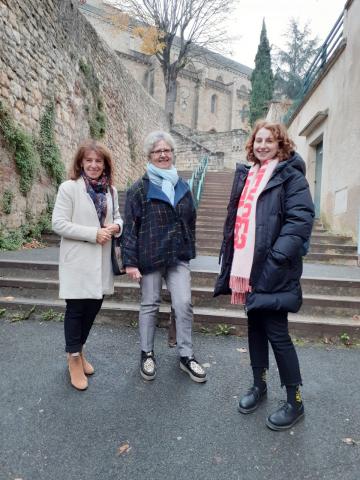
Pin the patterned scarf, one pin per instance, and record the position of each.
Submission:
(97, 190)
(166, 178)
(244, 232)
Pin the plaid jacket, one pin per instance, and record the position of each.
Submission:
(157, 235)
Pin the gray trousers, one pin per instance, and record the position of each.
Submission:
(178, 282)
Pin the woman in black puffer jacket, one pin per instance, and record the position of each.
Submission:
(268, 225)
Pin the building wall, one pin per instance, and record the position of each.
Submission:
(339, 95)
(193, 105)
(42, 44)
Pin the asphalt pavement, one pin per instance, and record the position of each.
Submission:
(123, 427)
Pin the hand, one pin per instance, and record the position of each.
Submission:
(113, 228)
(102, 236)
(134, 273)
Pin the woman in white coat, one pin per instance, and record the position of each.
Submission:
(86, 216)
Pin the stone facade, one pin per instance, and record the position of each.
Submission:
(327, 124)
(224, 149)
(42, 48)
(212, 93)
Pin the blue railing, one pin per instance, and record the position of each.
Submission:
(325, 52)
(196, 182)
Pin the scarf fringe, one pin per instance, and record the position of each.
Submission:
(240, 286)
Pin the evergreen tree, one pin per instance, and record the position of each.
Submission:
(262, 79)
(293, 62)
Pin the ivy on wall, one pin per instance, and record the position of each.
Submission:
(95, 112)
(29, 154)
(28, 231)
(48, 150)
(23, 148)
(7, 200)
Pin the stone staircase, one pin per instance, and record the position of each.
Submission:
(331, 305)
(324, 246)
(331, 292)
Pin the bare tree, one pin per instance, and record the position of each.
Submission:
(182, 27)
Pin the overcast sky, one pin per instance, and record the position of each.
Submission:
(247, 21)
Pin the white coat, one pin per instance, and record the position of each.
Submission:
(84, 266)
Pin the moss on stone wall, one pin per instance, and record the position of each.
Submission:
(48, 150)
(7, 200)
(22, 146)
(28, 231)
(95, 112)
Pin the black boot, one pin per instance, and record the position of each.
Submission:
(285, 417)
(250, 402)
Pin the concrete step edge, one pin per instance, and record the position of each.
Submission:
(213, 315)
(321, 299)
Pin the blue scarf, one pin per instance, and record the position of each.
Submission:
(165, 178)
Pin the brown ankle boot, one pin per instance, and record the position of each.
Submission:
(88, 368)
(76, 370)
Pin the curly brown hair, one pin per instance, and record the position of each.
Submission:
(101, 150)
(286, 145)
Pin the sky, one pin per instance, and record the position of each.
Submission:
(247, 21)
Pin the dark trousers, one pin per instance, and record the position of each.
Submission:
(266, 326)
(79, 318)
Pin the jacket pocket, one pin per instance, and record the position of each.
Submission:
(275, 275)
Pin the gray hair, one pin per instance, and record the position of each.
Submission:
(154, 137)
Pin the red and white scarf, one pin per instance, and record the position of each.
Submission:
(244, 234)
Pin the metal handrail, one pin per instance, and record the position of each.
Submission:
(331, 42)
(196, 182)
(325, 52)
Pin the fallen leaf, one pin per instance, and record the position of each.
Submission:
(242, 350)
(356, 317)
(217, 460)
(124, 448)
(8, 299)
(350, 441)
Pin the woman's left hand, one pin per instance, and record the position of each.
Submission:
(112, 228)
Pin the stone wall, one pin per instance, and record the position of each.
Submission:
(226, 148)
(42, 47)
(189, 153)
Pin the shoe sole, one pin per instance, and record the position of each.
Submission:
(250, 410)
(147, 377)
(195, 379)
(277, 428)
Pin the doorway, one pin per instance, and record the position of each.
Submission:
(318, 173)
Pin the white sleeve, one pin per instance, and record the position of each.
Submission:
(62, 223)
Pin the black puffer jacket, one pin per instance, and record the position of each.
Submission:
(284, 219)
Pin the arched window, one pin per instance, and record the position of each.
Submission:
(213, 103)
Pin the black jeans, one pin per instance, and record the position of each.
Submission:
(79, 318)
(266, 326)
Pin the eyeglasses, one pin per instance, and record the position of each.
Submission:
(167, 151)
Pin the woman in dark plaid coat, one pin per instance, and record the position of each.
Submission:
(158, 242)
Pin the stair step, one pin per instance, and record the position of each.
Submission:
(116, 313)
(202, 296)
